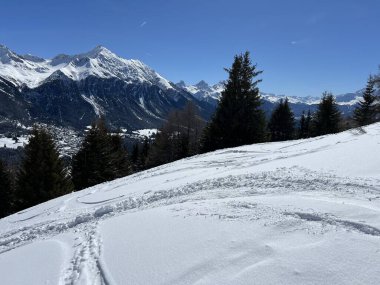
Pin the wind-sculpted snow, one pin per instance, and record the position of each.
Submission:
(297, 212)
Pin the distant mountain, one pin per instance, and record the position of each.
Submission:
(211, 94)
(72, 90)
(204, 92)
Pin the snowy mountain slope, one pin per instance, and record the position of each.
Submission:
(99, 62)
(297, 212)
(74, 90)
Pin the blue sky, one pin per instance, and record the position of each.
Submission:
(304, 46)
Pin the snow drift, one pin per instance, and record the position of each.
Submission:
(296, 212)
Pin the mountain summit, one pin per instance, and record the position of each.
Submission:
(100, 62)
(72, 90)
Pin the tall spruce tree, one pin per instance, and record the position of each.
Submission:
(102, 157)
(328, 117)
(42, 175)
(6, 197)
(238, 118)
(365, 113)
(281, 123)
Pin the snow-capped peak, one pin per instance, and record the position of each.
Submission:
(6, 55)
(204, 92)
(99, 62)
(181, 84)
(99, 50)
(202, 85)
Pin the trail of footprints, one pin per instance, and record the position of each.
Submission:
(86, 258)
(85, 265)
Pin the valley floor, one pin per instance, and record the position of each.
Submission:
(297, 212)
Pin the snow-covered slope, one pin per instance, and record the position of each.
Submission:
(99, 62)
(297, 212)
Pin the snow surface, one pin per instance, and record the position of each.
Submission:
(296, 212)
(99, 62)
(10, 143)
(145, 132)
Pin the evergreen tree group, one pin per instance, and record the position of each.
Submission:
(305, 126)
(6, 195)
(327, 117)
(42, 175)
(102, 157)
(238, 119)
(366, 111)
(282, 123)
(139, 154)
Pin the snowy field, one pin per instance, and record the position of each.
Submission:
(10, 143)
(297, 212)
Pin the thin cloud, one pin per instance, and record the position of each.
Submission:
(143, 24)
(315, 19)
(300, 41)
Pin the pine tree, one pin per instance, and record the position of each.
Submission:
(301, 130)
(304, 130)
(119, 164)
(308, 130)
(135, 155)
(42, 175)
(238, 118)
(6, 197)
(102, 157)
(327, 117)
(365, 113)
(145, 149)
(281, 123)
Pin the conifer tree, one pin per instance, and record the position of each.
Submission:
(135, 154)
(281, 123)
(102, 157)
(238, 118)
(42, 175)
(6, 197)
(308, 130)
(304, 129)
(301, 130)
(328, 117)
(145, 149)
(119, 164)
(365, 113)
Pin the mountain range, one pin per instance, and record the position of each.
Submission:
(212, 93)
(73, 90)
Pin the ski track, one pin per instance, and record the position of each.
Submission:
(86, 266)
(266, 183)
(226, 193)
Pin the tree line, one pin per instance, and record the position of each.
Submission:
(238, 120)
